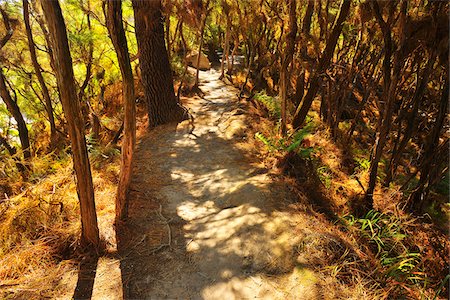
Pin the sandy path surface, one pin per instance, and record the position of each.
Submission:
(207, 222)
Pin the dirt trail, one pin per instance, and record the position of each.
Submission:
(230, 236)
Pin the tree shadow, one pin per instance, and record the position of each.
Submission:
(86, 276)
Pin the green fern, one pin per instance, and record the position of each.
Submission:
(266, 141)
(386, 233)
(270, 103)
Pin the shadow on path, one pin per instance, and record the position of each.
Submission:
(204, 221)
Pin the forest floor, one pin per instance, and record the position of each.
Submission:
(209, 220)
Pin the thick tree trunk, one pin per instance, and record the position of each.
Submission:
(71, 107)
(157, 79)
(119, 40)
(287, 58)
(37, 70)
(324, 62)
(14, 110)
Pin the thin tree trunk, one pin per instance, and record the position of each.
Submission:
(43, 27)
(230, 67)
(287, 58)
(71, 107)
(226, 46)
(119, 40)
(37, 70)
(389, 93)
(11, 105)
(417, 97)
(415, 201)
(202, 29)
(14, 110)
(324, 62)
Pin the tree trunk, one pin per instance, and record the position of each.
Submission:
(324, 62)
(119, 40)
(11, 105)
(157, 79)
(202, 30)
(226, 46)
(389, 93)
(37, 70)
(430, 155)
(417, 98)
(14, 110)
(168, 7)
(287, 58)
(71, 108)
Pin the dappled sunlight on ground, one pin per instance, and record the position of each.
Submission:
(205, 222)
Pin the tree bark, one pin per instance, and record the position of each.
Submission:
(202, 30)
(287, 58)
(119, 40)
(226, 48)
(71, 108)
(389, 92)
(421, 87)
(157, 79)
(14, 110)
(324, 62)
(431, 159)
(37, 70)
(11, 105)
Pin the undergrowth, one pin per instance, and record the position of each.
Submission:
(401, 264)
(296, 142)
(40, 226)
(406, 255)
(270, 103)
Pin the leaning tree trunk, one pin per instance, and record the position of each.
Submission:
(71, 108)
(119, 40)
(324, 62)
(14, 110)
(389, 92)
(157, 79)
(37, 70)
(11, 105)
(430, 158)
(200, 46)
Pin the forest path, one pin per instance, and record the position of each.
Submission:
(206, 221)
